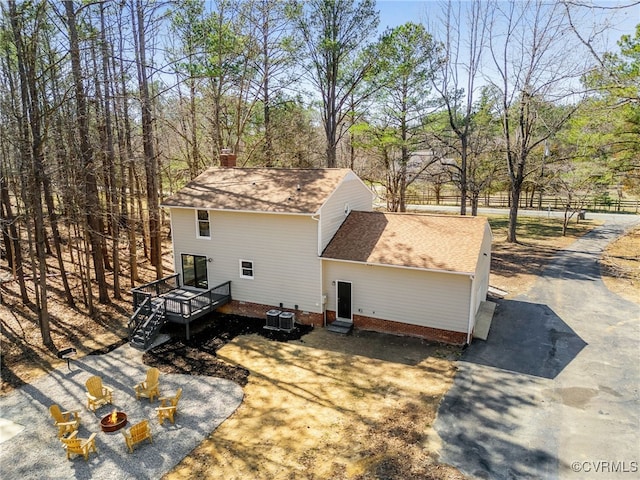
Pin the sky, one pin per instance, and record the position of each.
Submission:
(620, 21)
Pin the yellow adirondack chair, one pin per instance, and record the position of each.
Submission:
(81, 446)
(137, 433)
(149, 388)
(168, 407)
(66, 422)
(97, 394)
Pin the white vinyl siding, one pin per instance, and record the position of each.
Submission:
(431, 299)
(481, 279)
(483, 268)
(351, 194)
(283, 248)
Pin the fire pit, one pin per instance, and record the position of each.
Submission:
(113, 422)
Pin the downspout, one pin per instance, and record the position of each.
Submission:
(471, 311)
(324, 310)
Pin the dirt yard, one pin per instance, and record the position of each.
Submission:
(314, 408)
(621, 266)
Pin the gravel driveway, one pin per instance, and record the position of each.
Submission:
(35, 452)
(554, 391)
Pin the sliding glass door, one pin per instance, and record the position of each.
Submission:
(194, 271)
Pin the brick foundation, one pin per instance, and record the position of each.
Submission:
(258, 310)
(399, 328)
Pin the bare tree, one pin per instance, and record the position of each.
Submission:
(10, 231)
(574, 183)
(126, 152)
(92, 209)
(139, 24)
(32, 147)
(110, 157)
(534, 64)
(10, 125)
(457, 83)
(188, 64)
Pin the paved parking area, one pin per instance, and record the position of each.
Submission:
(554, 391)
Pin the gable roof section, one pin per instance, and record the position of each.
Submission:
(432, 242)
(275, 190)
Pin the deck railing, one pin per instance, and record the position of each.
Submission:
(140, 315)
(154, 289)
(145, 312)
(183, 307)
(208, 299)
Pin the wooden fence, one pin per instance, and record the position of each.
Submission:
(608, 205)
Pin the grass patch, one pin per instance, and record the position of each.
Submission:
(515, 266)
(538, 228)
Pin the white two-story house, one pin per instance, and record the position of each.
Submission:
(308, 241)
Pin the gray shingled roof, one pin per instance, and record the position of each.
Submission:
(434, 242)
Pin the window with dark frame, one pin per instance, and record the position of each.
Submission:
(194, 271)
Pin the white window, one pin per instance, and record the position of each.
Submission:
(246, 269)
(203, 225)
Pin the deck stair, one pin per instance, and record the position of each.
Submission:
(167, 300)
(341, 327)
(145, 324)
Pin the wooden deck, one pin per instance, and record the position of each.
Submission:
(181, 304)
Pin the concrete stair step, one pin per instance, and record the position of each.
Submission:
(341, 327)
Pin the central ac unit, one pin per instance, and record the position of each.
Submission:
(273, 319)
(287, 321)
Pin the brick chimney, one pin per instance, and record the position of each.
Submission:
(227, 159)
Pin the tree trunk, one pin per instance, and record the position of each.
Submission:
(57, 240)
(12, 243)
(194, 167)
(92, 203)
(114, 212)
(14, 253)
(268, 134)
(331, 128)
(514, 200)
(32, 155)
(151, 162)
(463, 175)
(474, 204)
(60, 155)
(127, 160)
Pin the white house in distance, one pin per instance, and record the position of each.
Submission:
(307, 241)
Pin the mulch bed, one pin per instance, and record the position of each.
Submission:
(197, 356)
